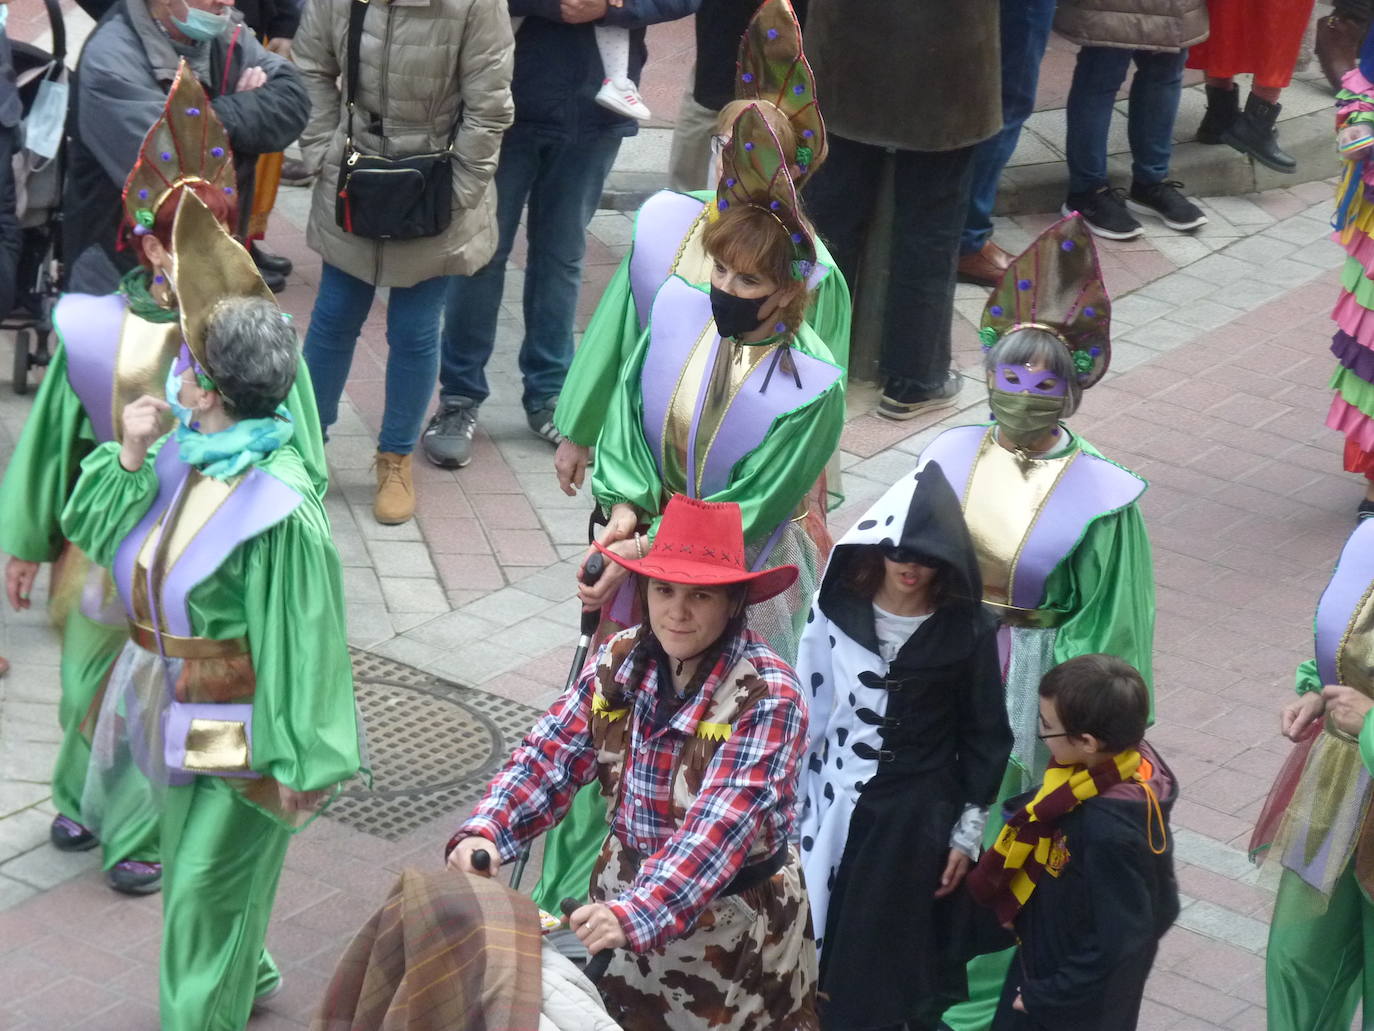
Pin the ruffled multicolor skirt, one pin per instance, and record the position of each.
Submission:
(1352, 407)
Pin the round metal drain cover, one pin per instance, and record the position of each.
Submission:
(431, 745)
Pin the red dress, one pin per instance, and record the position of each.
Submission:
(1260, 36)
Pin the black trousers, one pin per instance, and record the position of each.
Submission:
(931, 194)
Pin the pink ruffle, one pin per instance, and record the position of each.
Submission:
(1355, 81)
(1347, 419)
(1355, 319)
(1361, 248)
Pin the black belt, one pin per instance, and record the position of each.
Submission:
(756, 873)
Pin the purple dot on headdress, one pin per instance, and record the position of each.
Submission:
(729, 183)
(778, 327)
(807, 134)
(217, 152)
(193, 112)
(1096, 352)
(1090, 312)
(143, 194)
(159, 279)
(772, 33)
(1067, 245)
(747, 77)
(749, 146)
(722, 204)
(228, 191)
(796, 237)
(775, 205)
(1023, 284)
(140, 230)
(799, 89)
(166, 156)
(996, 310)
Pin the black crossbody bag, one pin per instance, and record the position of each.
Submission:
(384, 198)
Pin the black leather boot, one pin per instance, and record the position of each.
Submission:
(1223, 108)
(1253, 133)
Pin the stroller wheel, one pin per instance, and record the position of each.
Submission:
(21, 360)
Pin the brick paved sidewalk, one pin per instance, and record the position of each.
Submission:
(1217, 396)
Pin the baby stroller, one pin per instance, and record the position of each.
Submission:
(38, 192)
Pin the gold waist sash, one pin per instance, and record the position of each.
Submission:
(1028, 619)
(175, 647)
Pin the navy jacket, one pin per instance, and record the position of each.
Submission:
(558, 68)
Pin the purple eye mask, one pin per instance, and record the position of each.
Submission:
(1017, 379)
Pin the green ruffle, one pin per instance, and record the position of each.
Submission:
(1353, 390)
(135, 288)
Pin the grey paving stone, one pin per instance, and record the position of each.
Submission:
(22, 832)
(1205, 314)
(474, 663)
(409, 651)
(13, 892)
(1137, 309)
(413, 594)
(1260, 249)
(368, 624)
(452, 630)
(1239, 211)
(360, 586)
(16, 795)
(401, 558)
(1221, 269)
(535, 636)
(1180, 249)
(507, 606)
(27, 760)
(1176, 289)
(1160, 335)
(45, 867)
(1223, 925)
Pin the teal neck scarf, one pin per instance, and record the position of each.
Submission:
(229, 452)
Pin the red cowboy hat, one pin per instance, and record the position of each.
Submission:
(702, 542)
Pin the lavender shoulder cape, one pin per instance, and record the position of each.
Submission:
(1090, 488)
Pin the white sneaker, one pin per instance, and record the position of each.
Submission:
(623, 98)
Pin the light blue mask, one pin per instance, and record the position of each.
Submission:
(202, 26)
(184, 415)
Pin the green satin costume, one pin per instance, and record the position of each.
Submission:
(56, 437)
(613, 335)
(1106, 586)
(1319, 965)
(767, 484)
(221, 853)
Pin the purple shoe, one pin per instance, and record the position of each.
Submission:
(132, 877)
(69, 836)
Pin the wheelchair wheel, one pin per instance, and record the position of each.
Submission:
(21, 360)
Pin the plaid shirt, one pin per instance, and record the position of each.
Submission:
(745, 805)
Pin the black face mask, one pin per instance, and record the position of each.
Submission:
(735, 315)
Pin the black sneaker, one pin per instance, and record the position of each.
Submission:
(541, 422)
(901, 400)
(67, 835)
(1365, 510)
(1165, 201)
(447, 440)
(1104, 212)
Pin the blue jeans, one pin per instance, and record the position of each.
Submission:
(412, 340)
(563, 182)
(1155, 93)
(1025, 31)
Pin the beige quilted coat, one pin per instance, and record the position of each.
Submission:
(1133, 24)
(423, 65)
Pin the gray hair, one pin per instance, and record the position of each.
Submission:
(252, 352)
(1032, 346)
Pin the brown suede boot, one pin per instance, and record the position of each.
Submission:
(395, 501)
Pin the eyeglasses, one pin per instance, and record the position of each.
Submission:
(1046, 737)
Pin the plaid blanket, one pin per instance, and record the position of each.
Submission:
(446, 950)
